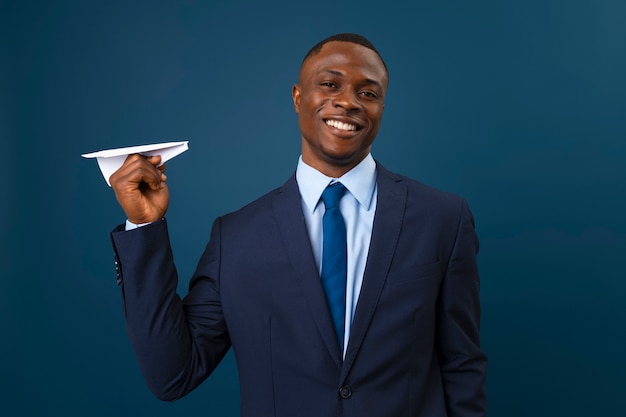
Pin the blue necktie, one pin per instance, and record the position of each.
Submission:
(335, 257)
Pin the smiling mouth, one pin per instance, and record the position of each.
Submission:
(341, 125)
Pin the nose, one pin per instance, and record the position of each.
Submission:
(346, 99)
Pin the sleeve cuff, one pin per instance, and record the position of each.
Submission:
(131, 226)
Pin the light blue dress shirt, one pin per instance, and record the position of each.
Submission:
(357, 206)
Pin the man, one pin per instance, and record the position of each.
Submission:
(403, 339)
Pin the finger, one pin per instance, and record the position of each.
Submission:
(154, 160)
(162, 169)
(137, 169)
(152, 176)
(132, 162)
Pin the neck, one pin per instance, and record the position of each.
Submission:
(333, 168)
(330, 170)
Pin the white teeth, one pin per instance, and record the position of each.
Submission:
(340, 125)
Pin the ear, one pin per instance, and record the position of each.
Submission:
(295, 95)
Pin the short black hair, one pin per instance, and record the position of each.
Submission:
(344, 37)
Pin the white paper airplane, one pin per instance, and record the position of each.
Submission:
(111, 160)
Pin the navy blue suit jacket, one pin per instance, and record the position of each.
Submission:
(414, 347)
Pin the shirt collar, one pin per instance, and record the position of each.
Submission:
(360, 181)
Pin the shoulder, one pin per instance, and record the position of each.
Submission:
(263, 206)
(417, 193)
(426, 208)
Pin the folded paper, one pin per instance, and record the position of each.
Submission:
(111, 160)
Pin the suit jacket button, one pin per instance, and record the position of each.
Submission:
(118, 272)
(345, 392)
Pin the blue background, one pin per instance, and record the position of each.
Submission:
(519, 106)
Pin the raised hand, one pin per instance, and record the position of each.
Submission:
(140, 188)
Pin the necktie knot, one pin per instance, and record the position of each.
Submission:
(332, 194)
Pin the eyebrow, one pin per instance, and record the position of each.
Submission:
(341, 74)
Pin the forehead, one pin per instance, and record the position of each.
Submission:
(347, 58)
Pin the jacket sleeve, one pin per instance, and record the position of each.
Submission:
(463, 364)
(177, 343)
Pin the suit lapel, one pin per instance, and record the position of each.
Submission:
(390, 209)
(287, 207)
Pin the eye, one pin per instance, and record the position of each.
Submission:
(328, 84)
(369, 94)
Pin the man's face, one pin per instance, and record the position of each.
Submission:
(339, 100)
